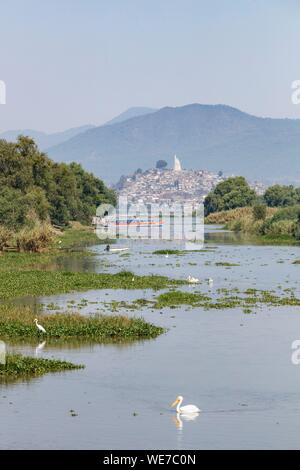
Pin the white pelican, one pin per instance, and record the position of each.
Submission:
(187, 409)
(193, 280)
(39, 327)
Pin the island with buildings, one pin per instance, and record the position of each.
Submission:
(163, 185)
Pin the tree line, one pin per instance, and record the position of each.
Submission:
(235, 192)
(32, 186)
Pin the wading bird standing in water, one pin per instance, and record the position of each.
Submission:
(39, 327)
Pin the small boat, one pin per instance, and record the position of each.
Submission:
(117, 250)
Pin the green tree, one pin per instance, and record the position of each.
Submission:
(161, 164)
(281, 196)
(32, 185)
(229, 194)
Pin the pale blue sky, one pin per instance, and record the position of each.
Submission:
(73, 62)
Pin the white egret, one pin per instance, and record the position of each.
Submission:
(187, 409)
(210, 281)
(193, 280)
(39, 327)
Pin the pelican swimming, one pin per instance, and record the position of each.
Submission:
(184, 409)
(193, 280)
(39, 327)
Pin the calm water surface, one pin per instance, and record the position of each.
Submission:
(237, 368)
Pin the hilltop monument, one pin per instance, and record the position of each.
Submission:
(177, 164)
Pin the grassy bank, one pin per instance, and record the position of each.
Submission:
(77, 236)
(18, 366)
(19, 323)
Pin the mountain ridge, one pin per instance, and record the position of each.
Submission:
(213, 137)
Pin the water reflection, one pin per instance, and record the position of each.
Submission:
(181, 417)
(39, 348)
(2, 352)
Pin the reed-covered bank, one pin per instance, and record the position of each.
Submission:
(225, 217)
(261, 224)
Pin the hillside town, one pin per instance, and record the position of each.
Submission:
(162, 185)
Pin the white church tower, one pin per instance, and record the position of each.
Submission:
(177, 164)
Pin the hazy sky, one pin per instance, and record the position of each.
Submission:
(73, 62)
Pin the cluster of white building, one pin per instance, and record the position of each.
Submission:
(164, 185)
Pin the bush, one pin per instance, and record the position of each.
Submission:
(259, 212)
(5, 237)
(296, 230)
(276, 228)
(34, 239)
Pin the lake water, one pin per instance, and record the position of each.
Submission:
(236, 367)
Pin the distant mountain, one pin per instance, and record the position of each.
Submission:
(42, 139)
(213, 137)
(130, 113)
(45, 140)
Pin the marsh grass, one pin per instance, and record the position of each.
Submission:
(78, 236)
(18, 366)
(35, 239)
(16, 322)
(231, 215)
(38, 283)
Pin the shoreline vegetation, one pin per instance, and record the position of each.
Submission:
(18, 366)
(278, 226)
(271, 218)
